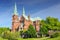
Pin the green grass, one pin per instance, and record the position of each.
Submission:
(44, 38)
(57, 38)
(2, 38)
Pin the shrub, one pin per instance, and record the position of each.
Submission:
(10, 35)
(55, 35)
(3, 29)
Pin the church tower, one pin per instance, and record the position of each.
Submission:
(15, 19)
(22, 19)
(28, 17)
(23, 12)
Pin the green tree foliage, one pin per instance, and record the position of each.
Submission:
(2, 29)
(10, 35)
(51, 23)
(31, 32)
(43, 28)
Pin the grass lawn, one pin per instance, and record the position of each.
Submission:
(3, 39)
(32, 39)
(45, 38)
(57, 38)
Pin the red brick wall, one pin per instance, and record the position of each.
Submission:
(16, 23)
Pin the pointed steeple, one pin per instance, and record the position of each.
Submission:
(23, 11)
(15, 10)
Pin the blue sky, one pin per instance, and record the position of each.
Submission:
(40, 8)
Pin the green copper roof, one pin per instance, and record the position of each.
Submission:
(23, 12)
(15, 10)
(26, 17)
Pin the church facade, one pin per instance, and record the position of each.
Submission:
(23, 22)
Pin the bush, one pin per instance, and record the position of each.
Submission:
(10, 35)
(3, 29)
(55, 35)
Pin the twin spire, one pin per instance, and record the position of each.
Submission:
(15, 10)
(23, 12)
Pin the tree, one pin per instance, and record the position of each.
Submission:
(53, 23)
(31, 32)
(43, 30)
(49, 24)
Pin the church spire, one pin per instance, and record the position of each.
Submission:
(15, 10)
(23, 11)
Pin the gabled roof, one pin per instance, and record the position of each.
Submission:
(34, 19)
(26, 17)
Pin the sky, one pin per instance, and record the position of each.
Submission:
(34, 8)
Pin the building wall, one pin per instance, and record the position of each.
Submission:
(17, 23)
(36, 25)
(26, 24)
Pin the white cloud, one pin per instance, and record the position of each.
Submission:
(53, 11)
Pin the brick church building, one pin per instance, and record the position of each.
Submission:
(23, 22)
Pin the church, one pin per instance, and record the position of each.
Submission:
(23, 22)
